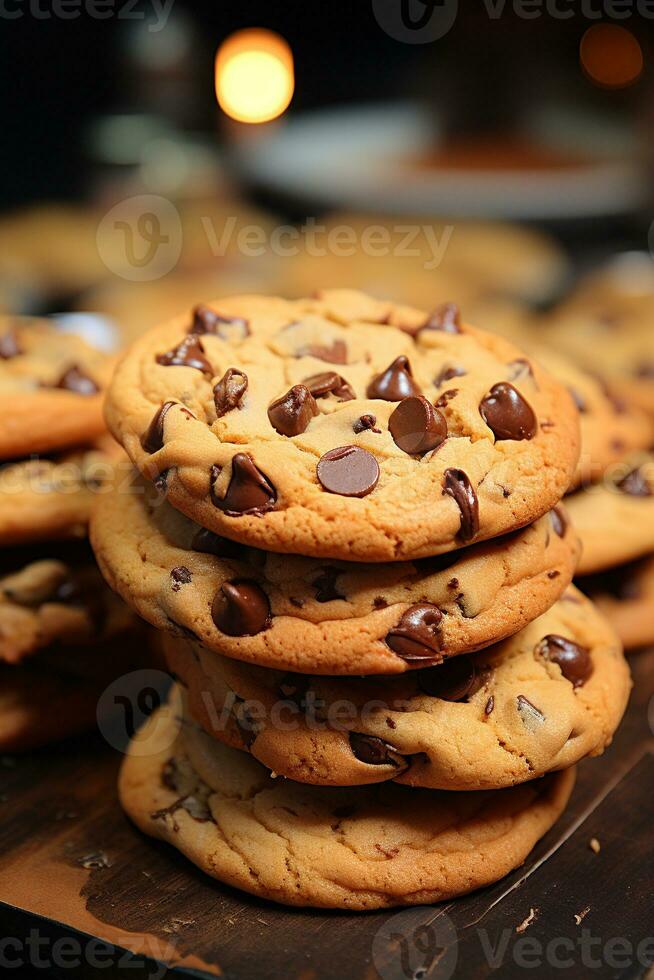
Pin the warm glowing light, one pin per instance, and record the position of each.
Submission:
(254, 76)
(611, 56)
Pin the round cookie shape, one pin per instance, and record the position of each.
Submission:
(51, 388)
(314, 459)
(612, 424)
(334, 617)
(47, 499)
(537, 702)
(625, 595)
(362, 848)
(615, 518)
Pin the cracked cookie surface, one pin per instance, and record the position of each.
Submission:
(361, 848)
(51, 388)
(304, 614)
(343, 426)
(538, 702)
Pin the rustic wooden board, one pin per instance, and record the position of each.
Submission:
(58, 812)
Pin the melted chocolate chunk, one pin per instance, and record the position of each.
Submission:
(375, 751)
(229, 391)
(531, 716)
(180, 576)
(161, 481)
(574, 660)
(9, 345)
(188, 353)
(447, 374)
(635, 484)
(520, 368)
(490, 704)
(241, 608)
(446, 318)
(459, 487)
(325, 585)
(455, 680)
(213, 544)
(447, 396)
(395, 383)
(507, 414)
(348, 471)
(153, 439)
(336, 353)
(329, 383)
(206, 321)
(416, 426)
(249, 490)
(365, 422)
(74, 379)
(291, 414)
(558, 521)
(417, 638)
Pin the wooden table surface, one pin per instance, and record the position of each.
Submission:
(71, 865)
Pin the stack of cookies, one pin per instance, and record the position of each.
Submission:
(63, 634)
(346, 521)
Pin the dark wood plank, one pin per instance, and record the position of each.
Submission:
(58, 809)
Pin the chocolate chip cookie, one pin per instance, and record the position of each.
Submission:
(51, 388)
(626, 597)
(333, 617)
(361, 848)
(615, 518)
(539, 701)
(344, 426)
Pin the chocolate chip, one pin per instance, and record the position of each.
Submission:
(558, 521)
(213, 544)
(161, 481)
(247, 726)
(507, 414)
(459, 487)
(490, 704)
(74, 379)
(349, 471)
(291, 414)
(325, 585)
(188, 353)
(241, 608)
(446, 318)
(206, 321)
(454, 680)
(446, 397)
(395, 383)
(180, 576)
(375, 751)
(9, 346)
(379, 602)
(336, 353)
(249, 490)
(417, 638)
(447, 374)
(635, 484)
(520, 368)
(578, 400)
(573, 659)
(228, 392)
(329, 383)
(153, 439)
(365, 422)
(416, 426)
(645, 370)
(531, 716)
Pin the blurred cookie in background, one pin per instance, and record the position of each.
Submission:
(625, 595)
(606, 326)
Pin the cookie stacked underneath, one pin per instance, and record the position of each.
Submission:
(63, 634)
(346, 521)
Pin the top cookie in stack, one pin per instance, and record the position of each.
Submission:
(344, 427)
